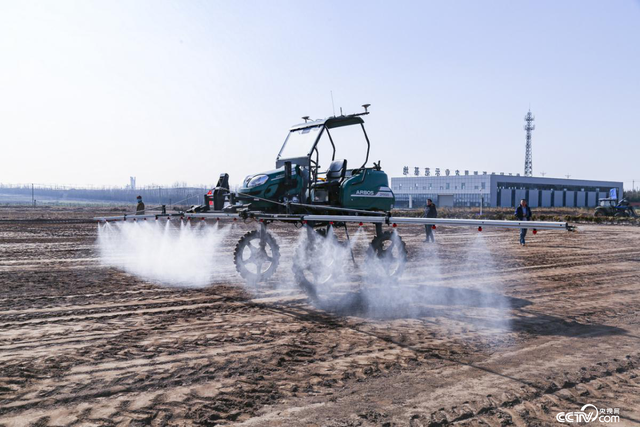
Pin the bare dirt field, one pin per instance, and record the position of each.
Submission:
(480, 331)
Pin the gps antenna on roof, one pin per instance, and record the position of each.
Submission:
(333, 106)
(305, 118)
(366, 108)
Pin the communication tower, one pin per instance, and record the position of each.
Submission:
(528, 161)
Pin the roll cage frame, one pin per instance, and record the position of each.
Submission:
(326, 124)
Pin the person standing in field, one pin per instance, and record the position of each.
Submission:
(523, 213)
(430, 211)
(140, 206)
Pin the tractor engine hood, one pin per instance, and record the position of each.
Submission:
(263, 178)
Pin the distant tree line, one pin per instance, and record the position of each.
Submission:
(151, 195)
(632, 196)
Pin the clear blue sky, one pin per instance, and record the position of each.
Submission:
(92, 92)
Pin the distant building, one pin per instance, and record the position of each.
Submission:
(499, 190)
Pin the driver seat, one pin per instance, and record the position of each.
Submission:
(337, 170)
(334, 175)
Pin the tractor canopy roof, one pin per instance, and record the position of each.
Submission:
(303, 139)
(330, 122)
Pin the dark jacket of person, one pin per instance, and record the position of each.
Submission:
(140, 208)
(523, 213)
(430, 211)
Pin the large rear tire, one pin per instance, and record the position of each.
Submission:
(386, 257)
(256, 258)
(318, 262)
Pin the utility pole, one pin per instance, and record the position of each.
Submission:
(528, 161)
(33, 200)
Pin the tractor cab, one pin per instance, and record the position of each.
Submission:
(608, 203)
(313, 144)
(322, 163)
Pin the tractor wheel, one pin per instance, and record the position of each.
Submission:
(318, 262)
(621, 215)
(256, 259)
(386, 256)
(598, 212)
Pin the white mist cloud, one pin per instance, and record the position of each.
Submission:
(197, 256)
(472, 293)
(176, 255)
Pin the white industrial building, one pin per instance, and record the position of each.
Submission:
(500, 190)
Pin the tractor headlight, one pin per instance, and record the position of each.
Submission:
(257, 180)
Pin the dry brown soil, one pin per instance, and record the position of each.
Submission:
(474, 335)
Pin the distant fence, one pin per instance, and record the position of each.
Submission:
(152, 195)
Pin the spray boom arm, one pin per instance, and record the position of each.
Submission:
(357, 219)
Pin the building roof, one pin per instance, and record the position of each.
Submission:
(515, 179)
